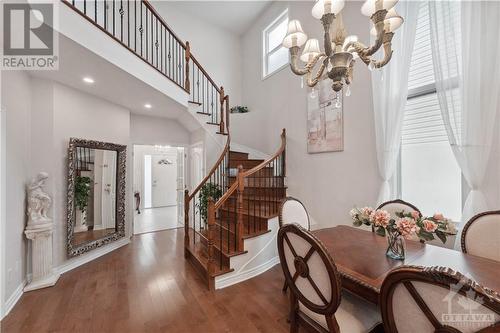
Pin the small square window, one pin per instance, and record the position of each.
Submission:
(275, 56)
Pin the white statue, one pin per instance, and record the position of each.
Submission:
(38, 201)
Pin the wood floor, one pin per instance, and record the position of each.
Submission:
(147, 286)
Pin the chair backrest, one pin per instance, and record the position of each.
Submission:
(481, 235)
(309, 270)
(293, 211)
(398, 205)
(437, 300)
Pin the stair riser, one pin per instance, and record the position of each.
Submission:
(263, 206)
(238, 155)
(247, 164)
(264, 192)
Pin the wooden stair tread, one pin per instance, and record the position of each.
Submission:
(254, 213)
(226, 251)
(193, 102)
(197, 251)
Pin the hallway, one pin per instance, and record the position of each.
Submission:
(147, 286)
(156, 219)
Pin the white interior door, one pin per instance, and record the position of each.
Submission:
(180, 185)
(197, 165)
(108, 189)
(98, 162)
(163, 180)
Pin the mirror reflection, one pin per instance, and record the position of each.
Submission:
(95, 194)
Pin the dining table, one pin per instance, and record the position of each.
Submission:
(363, 265)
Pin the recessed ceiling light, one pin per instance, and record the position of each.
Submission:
(148, 106)
(88, 80)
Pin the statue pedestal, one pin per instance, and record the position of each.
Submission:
(41, 256)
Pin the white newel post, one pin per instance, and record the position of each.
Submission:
(39, 231)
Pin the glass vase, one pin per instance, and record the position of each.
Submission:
(396, 246)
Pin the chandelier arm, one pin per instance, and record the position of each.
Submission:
(327, 20)
(315, 80)
(294, 63)
(363, 50)
(387, 51)
(350, 72)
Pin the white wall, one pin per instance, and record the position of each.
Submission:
(157, 131)
(41, 117)
(329, 184)
(217, 50)
(16, 103)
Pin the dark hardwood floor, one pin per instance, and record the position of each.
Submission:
(147, 286)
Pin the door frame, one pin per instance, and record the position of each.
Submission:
(140, 182)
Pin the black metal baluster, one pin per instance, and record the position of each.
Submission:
(135, 26)
(147, 28)
(121, 20)
(85, 6)
(128, 23)
(156, 45)
(105, 15)
(95, 11)
(114, 23)
(141, 30)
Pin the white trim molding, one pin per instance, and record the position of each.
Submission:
(224, 282)
(13, 299)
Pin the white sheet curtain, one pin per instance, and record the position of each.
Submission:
(466, 43)
(390, 91)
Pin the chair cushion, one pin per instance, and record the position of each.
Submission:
(354, 315)
(482, 239)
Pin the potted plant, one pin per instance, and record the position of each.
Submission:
(403, 226)
(82, 194)
(239, 109)
(209, 190)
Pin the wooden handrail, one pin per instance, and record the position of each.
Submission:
(263, 164)
(205, 73)
(151, 8)
(214, 168)
(250, 172)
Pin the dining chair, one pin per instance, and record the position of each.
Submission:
(292, 210)
(398, 205)
(437, 300)
(481, 235)
(316, 300)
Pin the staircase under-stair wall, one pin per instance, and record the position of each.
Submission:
(231, 216)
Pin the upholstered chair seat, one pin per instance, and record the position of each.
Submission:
(481, 235)
(316, 298)
(354, 315)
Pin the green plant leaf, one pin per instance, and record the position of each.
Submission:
(441, 235)
(426, 236)
(357, 223)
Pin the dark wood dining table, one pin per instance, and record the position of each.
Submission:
(361, 261)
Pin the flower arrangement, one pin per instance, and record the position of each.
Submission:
(405, 225)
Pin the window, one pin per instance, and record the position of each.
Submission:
(275, 55)
(429, 175)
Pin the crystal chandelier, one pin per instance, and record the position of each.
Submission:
(340, 49)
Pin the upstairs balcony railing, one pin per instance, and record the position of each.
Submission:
(136, 25)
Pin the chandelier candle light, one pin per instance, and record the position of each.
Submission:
(340, 49)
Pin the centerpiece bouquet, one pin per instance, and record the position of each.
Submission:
(405, 225)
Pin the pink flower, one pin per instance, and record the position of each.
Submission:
(380, 218)
(365, 213)
(415, 214)
(429, 226)
(438, 217)
(407, 227)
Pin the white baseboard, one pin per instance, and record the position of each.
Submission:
(13, 299)
(65, 267)
(224, 282)
(92, 255)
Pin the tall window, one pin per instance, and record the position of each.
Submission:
(275, 56)
(429, 174)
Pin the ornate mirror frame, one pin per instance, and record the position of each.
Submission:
(75, 250)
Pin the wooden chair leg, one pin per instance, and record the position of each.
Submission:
(285, 287)
(292, 316)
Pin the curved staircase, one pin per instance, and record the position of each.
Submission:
(232, 212)
(234, 204)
